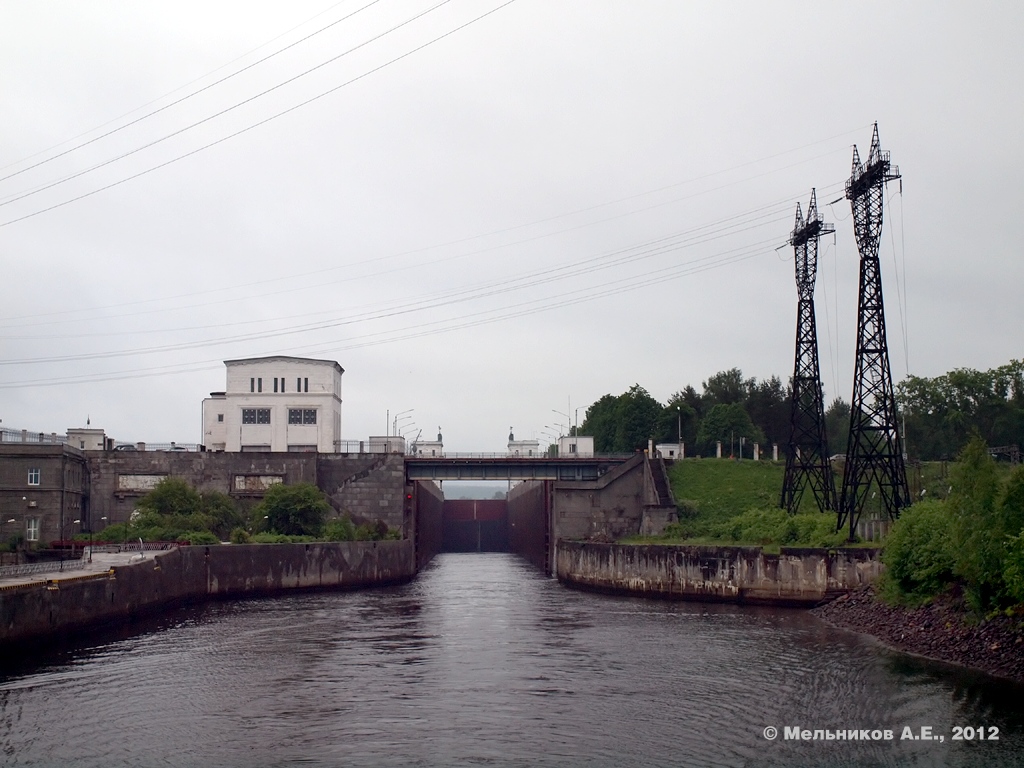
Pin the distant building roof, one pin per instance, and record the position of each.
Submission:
(288, 358)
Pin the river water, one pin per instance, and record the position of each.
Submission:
(482, 661)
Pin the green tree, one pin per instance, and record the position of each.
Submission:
(725, 388)
(837, 426)
(726, 422)
(979, 530)
(294, 510)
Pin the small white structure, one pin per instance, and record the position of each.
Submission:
(87, 438)
(671, 450)
(572, 446)
(386, 444)
(277, 403)
(427, 447)
(523, 447)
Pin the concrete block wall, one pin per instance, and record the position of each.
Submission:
(369, 487)
(611, 506)
(798, 577)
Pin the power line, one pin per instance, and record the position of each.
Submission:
(260, 122)
(176, 102)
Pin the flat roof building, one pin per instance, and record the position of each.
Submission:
(276, 403)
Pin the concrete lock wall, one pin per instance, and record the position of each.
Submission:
(528, 524)
(429, 500)
(797, 577)
(58, 609)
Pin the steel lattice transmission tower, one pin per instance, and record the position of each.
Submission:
(807, 461)
(874, 454)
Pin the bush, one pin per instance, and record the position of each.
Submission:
(294, 510)
(919, 554)
(197, 538)
(340, 529)
(240, 536)
(267, 537)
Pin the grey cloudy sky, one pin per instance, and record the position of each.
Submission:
(486, 220)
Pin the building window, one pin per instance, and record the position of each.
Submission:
(275, 384)
(572, 447)
(32, 529)
(33, 476)
(259, 384)
(255, 415)
(252, 385)
(302, 415)
(220, 417)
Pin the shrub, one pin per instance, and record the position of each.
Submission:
(198, 538)
(340, 529)
(240, 536)
(294, 510)
(919, 553)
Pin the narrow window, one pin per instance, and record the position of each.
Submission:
(282, 383)
(33, 476)
(259, 384)
(32, 529)
(306, 381)
(275, 384)
(252, 385)
(298, 384)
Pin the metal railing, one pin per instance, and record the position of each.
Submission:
(27, 569)
(8, 435)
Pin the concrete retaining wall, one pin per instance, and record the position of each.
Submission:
(798, 577)
(59, 609)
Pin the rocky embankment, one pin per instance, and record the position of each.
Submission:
(940, 630)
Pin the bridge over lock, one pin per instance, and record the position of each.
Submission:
(548, 498)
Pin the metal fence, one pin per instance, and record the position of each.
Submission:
(8, 435)
(27, 569)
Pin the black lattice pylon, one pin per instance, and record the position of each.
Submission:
(874, 454)
(807, 463)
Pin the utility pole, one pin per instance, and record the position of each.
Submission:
(874, 453)
(807, 461)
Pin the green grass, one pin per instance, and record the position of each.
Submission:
(730, 502)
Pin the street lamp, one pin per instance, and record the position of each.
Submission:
(90, 537)
(568, 419)
(11, 520)
(394, 430)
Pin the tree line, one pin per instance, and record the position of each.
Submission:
(941, 414)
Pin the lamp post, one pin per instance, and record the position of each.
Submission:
(394, 429)
(90, 537)
(10, 520)
(79, 524)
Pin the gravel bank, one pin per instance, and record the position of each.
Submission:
(939, 631)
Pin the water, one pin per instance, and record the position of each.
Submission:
(483, 661)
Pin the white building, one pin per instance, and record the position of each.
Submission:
(428, 447)
(571, 446)
(276, 403)
(523, 447)
(671, 450)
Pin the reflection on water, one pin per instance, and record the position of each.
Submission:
(483, 661)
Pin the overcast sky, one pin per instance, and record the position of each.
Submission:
(487, 219)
